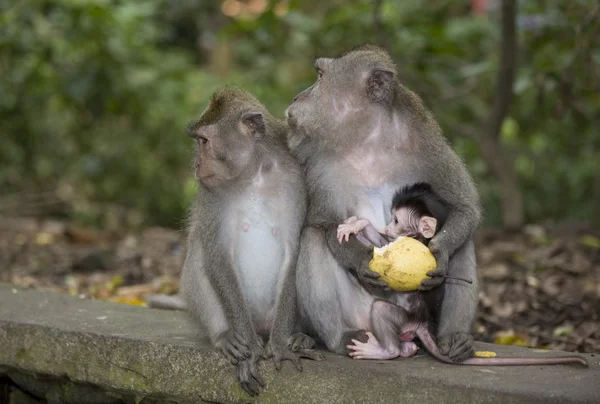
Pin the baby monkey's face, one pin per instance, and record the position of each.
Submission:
(407, 222)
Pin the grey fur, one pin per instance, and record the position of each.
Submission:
(360, 137)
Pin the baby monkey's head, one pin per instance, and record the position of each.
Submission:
(412, 216)
(410, 222)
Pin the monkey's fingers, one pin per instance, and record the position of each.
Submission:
(232, 358)
(311, 354)
(436, 273)
(246, 379)
(300, 341)
(255, 375)
(236, 345)
(370, 274)
(351, 219)
(294, 359)
(378, 284)
(462, 347)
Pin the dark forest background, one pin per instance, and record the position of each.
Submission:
(95, 95)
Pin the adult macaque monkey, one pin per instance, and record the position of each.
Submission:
(239, 272)
(361, 135)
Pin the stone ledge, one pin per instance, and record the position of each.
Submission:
(143, 355)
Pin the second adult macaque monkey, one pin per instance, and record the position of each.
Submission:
(360, 136)
(395, 325)
(238, 277)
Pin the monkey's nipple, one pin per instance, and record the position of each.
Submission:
(245, 227)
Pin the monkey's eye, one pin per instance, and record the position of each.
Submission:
(395, 220)
(202, 139)
(319, 73)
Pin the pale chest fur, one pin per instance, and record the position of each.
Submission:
(378, 177)
(255, 221)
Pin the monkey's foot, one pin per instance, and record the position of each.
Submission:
(408, 349)
(248, 376)
(233, 346)
(457, 346)
(300, 341)
(280, 352)
(372, 349)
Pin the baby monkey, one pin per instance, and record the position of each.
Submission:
(416, 212)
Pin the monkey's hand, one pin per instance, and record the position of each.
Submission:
(247, 370)
(281, 350)
(370, 278)
(233, 346)
(457, 346)
(437, 276)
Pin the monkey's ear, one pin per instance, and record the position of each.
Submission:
(427, 226)
(380, 85)
(254, 124)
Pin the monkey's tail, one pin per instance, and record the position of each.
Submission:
(430, 344)
(165, 302)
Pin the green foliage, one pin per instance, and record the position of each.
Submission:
(96, 94)
(89, 100)
(450, 58)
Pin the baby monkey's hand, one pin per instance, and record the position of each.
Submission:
(352, 225)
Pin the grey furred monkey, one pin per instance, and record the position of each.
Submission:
(360, 135)
(239, 271)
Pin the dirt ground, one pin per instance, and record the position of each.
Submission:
(540, 287)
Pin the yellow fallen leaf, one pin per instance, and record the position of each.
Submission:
(511, 340)
(590, 241)
(44, 238)
(134, 301)
(485, 354)
(114, 283)
(563, 330)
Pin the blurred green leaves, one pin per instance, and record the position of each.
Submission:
(96, 94)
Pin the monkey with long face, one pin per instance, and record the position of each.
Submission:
(394, 326)
(239, 272)
(360, 135)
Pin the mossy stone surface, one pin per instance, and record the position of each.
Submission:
(149, 356)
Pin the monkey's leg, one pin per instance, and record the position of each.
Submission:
(330, 300)
(459, 306)
(281, 340)
(389, 321)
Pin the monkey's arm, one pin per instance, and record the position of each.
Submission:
(240, 340)
(364, 230)
(370, 236)
(458, 228)
(352, 255)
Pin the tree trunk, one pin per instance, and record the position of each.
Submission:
(499, 161)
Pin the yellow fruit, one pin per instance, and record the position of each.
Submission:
(484, 354)
(403, 264)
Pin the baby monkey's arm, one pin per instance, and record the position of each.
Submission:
(364, 230)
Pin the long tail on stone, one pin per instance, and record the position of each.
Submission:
(165, 302)
(425, 337)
